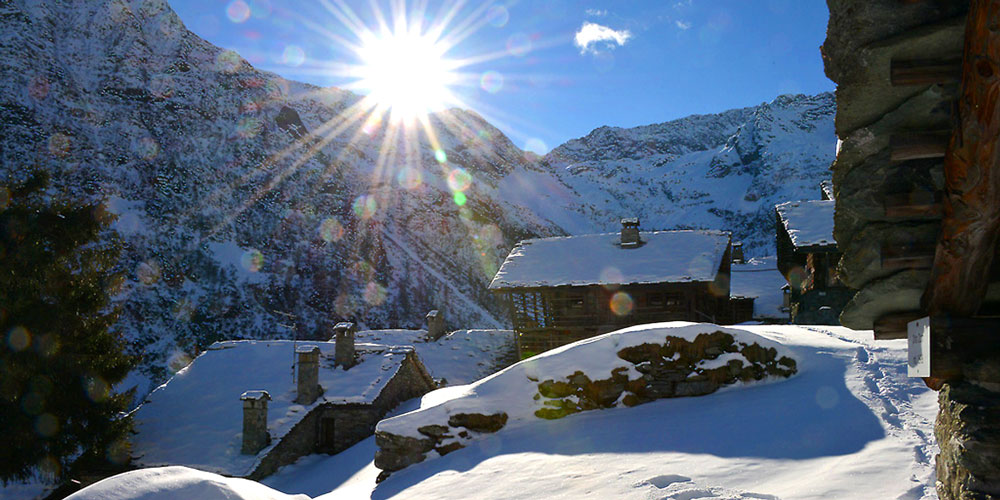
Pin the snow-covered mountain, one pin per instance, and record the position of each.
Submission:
(723, 171)
(256, 207)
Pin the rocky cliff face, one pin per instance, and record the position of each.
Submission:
(256, 207)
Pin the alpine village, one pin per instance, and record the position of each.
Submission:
(262, 249)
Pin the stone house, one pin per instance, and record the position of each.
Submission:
(245, 408)
(563, 289)
(808, 258)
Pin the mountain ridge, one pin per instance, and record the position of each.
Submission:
(252, 206)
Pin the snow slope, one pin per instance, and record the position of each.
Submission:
(171, 483)
(849, 425)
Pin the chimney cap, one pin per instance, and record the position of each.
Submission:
(344, 325)
(304, 349)
(255, 395)
(433, 313)
(630, 221)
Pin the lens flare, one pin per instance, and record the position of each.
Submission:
(59, 144)
(293, 55)
(19, 338)
(621, 304)
(38, 87)
(252, 260)
(365, 206)
(459, 179)
(518, 45)
(331, 230)
(498, 16)
(491, 81)
(440, 156)
(148, 272)
(46, 425)
(409, 178)
(238, 11)
(459, 198)
(374, 294)
(227, 61)
(97, 389)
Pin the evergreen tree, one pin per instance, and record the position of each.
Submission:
(58, 355)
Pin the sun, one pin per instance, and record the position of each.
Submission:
(406, 72)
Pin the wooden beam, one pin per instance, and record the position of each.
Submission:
(913, 204)
(916, 146)
(912, 256)
(925, 71)
(971, 223)
(958, 341)
(893, 326)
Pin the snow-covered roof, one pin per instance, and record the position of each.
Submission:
(196, 418)
(809, 223)
(599, 259)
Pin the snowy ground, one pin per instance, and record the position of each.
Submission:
(849, 425)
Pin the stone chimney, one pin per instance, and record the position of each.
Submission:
(343, 334)
(255, 436)
(435, 325)
(630, 232)
(738, 253)
(308, 387)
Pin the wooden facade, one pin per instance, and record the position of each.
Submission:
(817, 295)
(546, 317)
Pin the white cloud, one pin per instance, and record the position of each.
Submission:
(596, 12)
(684, 25)
(592, 37)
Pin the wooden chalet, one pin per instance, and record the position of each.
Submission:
(808, 257)
(564, 289)
(917, 185)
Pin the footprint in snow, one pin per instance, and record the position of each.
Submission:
(677, 487)
(666, 480)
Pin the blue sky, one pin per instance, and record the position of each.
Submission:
(547, 71)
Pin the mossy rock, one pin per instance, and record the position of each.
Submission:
(478, 422)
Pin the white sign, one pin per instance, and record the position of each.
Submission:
(918, 346)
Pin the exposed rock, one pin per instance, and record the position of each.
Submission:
(862, 260)
(669, 370)
(478, 422)
(396, 452)
(968, 432)
(862, 193)
(898, 293)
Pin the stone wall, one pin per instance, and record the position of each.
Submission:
(669, 370)
(968, 432)
(352, 423)
(411, 381)
(672, 369)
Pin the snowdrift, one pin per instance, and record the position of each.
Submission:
(171, 483)
(623, 368)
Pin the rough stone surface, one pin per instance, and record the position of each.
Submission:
(968, 432)
(255, 435)
(898, 293)
(862, 260)
(856, 23)
(669, 370)
(396, 452)
(863, 192)
(478, 422)
(351, 422)
(308, 388)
